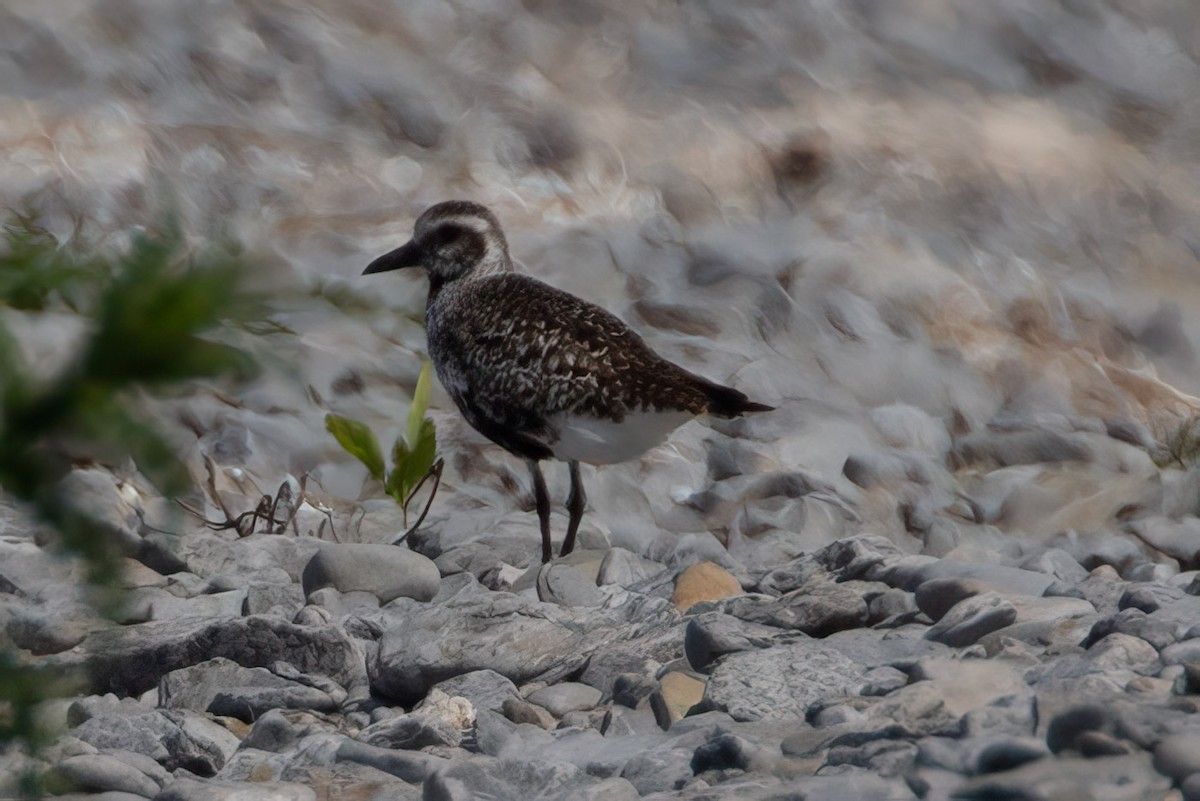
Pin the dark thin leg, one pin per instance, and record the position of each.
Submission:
(576, 501)
(541, 499)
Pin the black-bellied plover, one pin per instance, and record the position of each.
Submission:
(540, 372)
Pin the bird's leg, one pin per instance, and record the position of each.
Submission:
(576, 501)
(541, 499)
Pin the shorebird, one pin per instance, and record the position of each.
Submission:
(538, 371)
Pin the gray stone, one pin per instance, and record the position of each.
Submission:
(625, 568)
(659, 770)
(173, 738)
(100, 773)
(711, 635)
(386, 571)
(1178, 756)
(518, 710)
(780, 682)
(248, 703)
(281, 600)
(1008, 753)
(132, 659)
(819, 608)
(909, 572)
(190, 789)
(413, 767)
(936, 596)
(642, 656)
(485, 689)
(271, 732)
(224, 687)
(410, 732)
(892, 605)
(466, 780)
(972, 618)
(1124, 778)
(95, 495)
(512, 635)
(564, 697)
(1149, 598)
(217, 605)
(1066, 727)
(566, 585)
(898, 647)
(1190, 788)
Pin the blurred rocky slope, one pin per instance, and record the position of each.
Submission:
(954, 242)
(936, 235)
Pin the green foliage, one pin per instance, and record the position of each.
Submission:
(359, 441)
(35, 271)
(152, 310)
(413, 456)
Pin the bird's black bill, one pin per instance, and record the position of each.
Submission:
(408, 255)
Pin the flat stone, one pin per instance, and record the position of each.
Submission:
(386, 571)
(480, 777)
(706, 581)
(189, 789)
(972, 618)
(676, 695)
(819, 608)
(567, 696)
(173, 738)
(485, 689)
(711, 635)
(780, 682)
(936, 596)
(625, 568)
(223, 687)
(517, 637)
(132, 659)
(100, 773)
(567, 585)
(410, 732)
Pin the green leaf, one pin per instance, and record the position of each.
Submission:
(420, 402)
(395, 480)
(359, 442)
(420, 459)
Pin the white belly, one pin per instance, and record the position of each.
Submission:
(595, 441)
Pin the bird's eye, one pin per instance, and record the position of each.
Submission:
(446, 236)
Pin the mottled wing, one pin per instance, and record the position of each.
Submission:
(526, 351)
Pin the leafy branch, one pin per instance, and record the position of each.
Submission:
(152, 309)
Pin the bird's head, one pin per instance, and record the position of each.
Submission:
(451, 240)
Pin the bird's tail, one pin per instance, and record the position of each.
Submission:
(728, 402)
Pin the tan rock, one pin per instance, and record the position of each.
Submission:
(704, 582)
(677, 693)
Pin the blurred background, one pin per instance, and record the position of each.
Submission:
(954, 242)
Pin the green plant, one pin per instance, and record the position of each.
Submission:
(153, 309)
(414, 455)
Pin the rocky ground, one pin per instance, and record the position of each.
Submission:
(954, 243)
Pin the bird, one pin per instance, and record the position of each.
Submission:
(543, 373)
